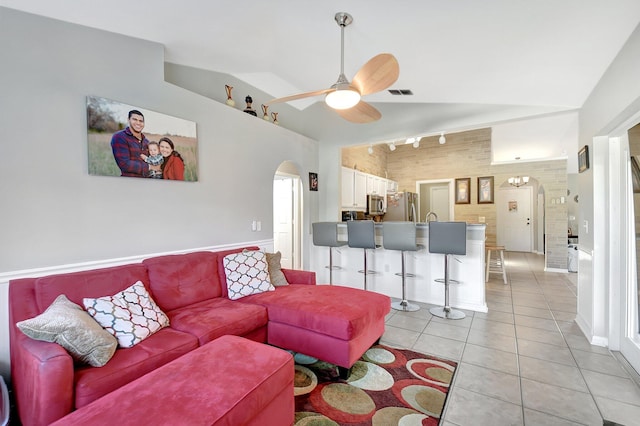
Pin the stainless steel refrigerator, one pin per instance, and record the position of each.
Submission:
(402, 206)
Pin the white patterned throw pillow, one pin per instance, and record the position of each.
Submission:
(247, 273)
(130, 315)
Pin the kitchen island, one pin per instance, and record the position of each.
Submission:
(468, 270)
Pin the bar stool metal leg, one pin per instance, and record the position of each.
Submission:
(404, 304)
(446, 311)
(330, 265)
(365, 271)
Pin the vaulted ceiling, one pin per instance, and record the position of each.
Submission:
(468, 63)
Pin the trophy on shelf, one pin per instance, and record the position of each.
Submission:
(248, 109)
(274, 115)
(230, 100)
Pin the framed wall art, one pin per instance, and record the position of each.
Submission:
(583, 159)
(485, 190)
(125, 140)
(313, 181)
(463, 190)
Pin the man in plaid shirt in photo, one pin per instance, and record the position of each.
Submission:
(127, 146)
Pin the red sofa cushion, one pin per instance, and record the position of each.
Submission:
(93, 283)
(131, 363)
(183, 279)
(341, 312)
(229, 381)
(210, 319)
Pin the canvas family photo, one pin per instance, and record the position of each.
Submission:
(124, 140)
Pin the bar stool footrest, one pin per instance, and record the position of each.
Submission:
(441, 281)
(447, 313)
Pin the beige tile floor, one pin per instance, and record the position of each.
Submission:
(525, 362)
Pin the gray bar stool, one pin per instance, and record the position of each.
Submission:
(325, 234)
(362, 234)
(447, 238)
(401, 236)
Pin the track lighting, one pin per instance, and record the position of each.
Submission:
(442, 139)
(416, 143)
(370, 150)
(392, 146)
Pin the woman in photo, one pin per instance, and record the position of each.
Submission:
(173, 166)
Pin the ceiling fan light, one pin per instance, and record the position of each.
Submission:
(342, 98)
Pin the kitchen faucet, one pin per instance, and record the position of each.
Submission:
(426, 218)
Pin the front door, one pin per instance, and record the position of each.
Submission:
(514, 218)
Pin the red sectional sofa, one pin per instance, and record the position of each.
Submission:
(332, 323)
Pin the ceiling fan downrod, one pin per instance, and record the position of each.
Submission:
(343, 19)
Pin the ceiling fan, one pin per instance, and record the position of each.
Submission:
(344, 97)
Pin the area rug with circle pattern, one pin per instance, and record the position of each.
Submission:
(386, 387)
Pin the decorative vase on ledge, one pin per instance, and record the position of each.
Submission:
(230, 100)
(265, 112)
(248, 109)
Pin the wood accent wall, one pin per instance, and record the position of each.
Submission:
(468, 154)
(358, 158)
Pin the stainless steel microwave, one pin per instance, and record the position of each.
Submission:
(375, 205)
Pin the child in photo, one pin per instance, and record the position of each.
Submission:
(154, 159)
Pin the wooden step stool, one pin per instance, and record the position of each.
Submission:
(495, 266)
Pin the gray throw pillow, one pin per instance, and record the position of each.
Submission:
(275, 272)
(68, 325)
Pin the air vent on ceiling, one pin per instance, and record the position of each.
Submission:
(401, 92)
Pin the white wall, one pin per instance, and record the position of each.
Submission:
(613, 102)
(53, 213)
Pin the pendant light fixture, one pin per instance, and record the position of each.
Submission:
(518, 181)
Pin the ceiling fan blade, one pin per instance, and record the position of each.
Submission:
(298, 96)
(361, 113)
(377, 74)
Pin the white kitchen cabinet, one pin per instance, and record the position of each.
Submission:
(354, 189)
(376, 185)
(392, 186)
(360, 190)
